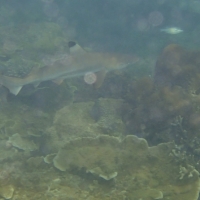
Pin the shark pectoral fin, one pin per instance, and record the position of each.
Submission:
(14, 90)
(58, 81)
(100, 78)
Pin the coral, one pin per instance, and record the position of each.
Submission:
(97, 155)
(48, 37)
(177, 76)
(85, 119)
(154, 108)
(22, 143)
(150, 172)
(18, 67)
(107, 112)
(173, 91)
(70, 122)
(24, 47)
(49, 158)
(177, 66)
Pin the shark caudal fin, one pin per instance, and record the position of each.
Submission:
(8, 82)
(14, 90)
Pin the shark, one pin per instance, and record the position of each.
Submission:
(75, 63)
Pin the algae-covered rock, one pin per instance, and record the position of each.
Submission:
(143, 172)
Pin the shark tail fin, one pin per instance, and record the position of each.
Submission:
(8, 83)
(14, 89)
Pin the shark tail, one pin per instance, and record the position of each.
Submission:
(9, 83)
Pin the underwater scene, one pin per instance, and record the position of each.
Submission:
(99, 99)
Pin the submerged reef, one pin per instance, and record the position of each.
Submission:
(150, 169)
(25, 48)
(90, 149)
(177, 66)
(107, 167)
(166, 107)
(135, 138)
(85, 119)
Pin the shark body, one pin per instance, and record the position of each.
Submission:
(76, 63)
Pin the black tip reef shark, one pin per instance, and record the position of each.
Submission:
(77, 63)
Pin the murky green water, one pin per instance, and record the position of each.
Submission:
(99, 99)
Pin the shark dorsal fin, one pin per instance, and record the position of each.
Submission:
(74, 48)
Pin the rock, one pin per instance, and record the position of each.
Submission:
(35, 161)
